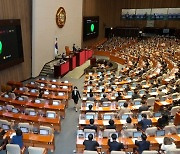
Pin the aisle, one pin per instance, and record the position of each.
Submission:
(66, 140)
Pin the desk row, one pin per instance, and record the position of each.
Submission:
(37, 104)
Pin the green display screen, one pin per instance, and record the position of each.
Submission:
(0, 47)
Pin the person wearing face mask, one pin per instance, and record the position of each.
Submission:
(75, 96)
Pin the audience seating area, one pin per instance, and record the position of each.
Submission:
(149, 83)
(37, 108)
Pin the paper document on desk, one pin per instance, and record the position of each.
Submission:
(136, 106)
(105, 122)
(84, 98)
(123, 121)
(164, 103)
(159, 139)
(100, 108)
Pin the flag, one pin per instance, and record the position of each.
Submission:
(56, 48)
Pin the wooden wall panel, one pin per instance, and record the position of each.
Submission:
(18, 9)
(109, 12)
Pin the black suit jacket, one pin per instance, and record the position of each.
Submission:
(91, 127)
(76, 96)
(142, 145)
(115, 146)
(110, 127)
(90, 145)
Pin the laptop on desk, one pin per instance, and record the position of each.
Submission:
(24, 129)
(137, 134)
(124, 116)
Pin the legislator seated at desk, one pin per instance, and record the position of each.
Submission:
(37, 140)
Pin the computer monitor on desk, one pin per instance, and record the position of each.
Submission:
(137, 134)
(124, 116)
(160, 133)
(107, 116)
(89, 116)
(24, 129)
(43, 132)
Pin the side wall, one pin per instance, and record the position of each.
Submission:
(18, 9)
(45, 30)
(109, 12)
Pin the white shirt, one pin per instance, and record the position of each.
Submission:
(168, 147)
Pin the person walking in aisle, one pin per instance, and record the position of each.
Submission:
(75, 96)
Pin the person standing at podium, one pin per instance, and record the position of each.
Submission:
(75, 96)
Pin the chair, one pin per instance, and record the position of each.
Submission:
(137, 100)
(174, 110)
(51, 114)
(129, 132)
(37, 150)
(68, 52)
(173, 151)
(90, 152)
(9, 107)
(170, 129)
(25, 125)
(14, 149)
(108, 131)
(30, 111)
(151, 131)
(121, 102)
(148, 113)
(118, 152)
(49, 129)
(150, 152)
(7, 124)
(150, 101)
(25, 98)
(175, 96)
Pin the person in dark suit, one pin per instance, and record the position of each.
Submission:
(114, 145)
(90, 144)
(104, 99)
(91, 98)
(119, 97)
(163, 121)
(145, 123)
(111, 125)
(75, 96)
(142, 145)
(18, 138)
(135, 95)
(143, 107)
(91, 125)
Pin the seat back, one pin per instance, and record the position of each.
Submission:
(118, 152)
(150, 101)
(23, 126)
(170, 129)
(174, 110)
(129, 132)
(13, 149)
(151, 131)
(173, 151)
(150, 152)
(67, 50)
(108, 131)
(49, 129)
(90, 152)
(36, 150)
(148, 113)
